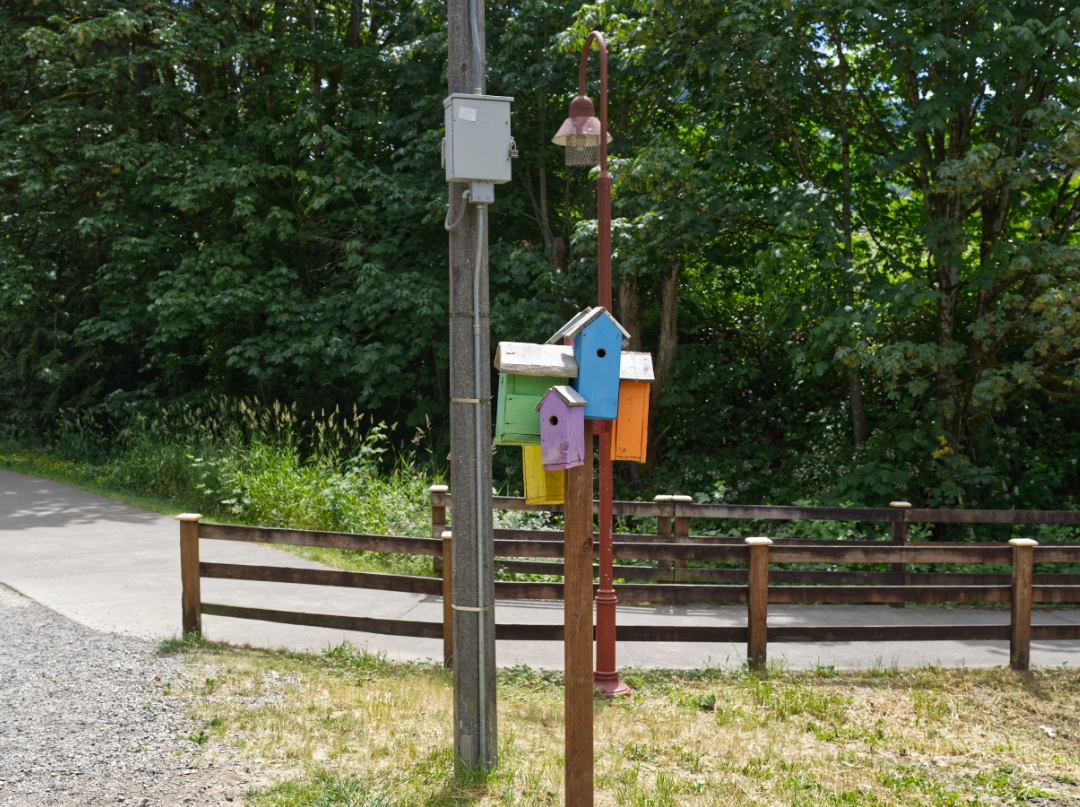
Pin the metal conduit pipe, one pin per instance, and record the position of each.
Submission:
(481, 214)
(478, 61)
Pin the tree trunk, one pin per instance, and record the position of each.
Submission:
(554, 245)
(630, 309)
(949, 216)
(352, 34)
(316, 73)
(665, 351)
(948, 286)
(858, 417)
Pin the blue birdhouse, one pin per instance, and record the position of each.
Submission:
(598, 341)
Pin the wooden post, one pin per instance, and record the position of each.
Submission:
(682, 536)
(438, 524)
(191, 597)
(758, 610)
(663, 533)
(447, 598)
(1020, 634)
(899, 536)
(578, 629)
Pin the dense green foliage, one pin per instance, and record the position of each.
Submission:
(845, 228)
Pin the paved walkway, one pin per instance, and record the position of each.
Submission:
(117, 568)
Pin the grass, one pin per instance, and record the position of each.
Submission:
(355, 730)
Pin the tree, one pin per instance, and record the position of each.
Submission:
(916, 162)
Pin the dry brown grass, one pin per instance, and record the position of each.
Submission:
(357, 731)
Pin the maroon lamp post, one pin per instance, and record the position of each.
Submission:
(586, 140)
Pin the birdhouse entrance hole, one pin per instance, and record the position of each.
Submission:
(601, 353)
(554, 420)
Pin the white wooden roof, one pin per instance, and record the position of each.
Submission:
(585, 317)
(636, 367)
(569, 395)
(525, 358)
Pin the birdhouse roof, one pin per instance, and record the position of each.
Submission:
(584, 319)
(525, 358)
(636, 367)
(569, 396)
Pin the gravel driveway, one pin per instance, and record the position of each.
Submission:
(85, 719)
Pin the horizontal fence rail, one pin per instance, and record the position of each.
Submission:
(743, 512)
(669, 580)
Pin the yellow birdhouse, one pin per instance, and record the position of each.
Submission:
(541, 487)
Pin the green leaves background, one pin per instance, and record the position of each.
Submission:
(243, 198)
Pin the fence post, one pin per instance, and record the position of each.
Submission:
(663, 531)
(191, 597)
(447, 600)
(899, 536)
(438, 523)
(1020, 623)
(758, 603)
(682, 535)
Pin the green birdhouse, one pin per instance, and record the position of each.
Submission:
(526, 373)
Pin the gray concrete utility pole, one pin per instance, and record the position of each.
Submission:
(475, 727)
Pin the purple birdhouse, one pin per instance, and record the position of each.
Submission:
(562, 428)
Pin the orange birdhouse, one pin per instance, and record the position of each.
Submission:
(630, 434)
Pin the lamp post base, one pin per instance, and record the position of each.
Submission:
(609, 685)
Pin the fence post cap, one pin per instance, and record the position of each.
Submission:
(438, 489)
(663, 498)
(1023, 542)
(446, 535)
(899, 504)
(188, 517)
(682, 498)
(761, 540)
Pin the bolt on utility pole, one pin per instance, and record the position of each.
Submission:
(475, 732)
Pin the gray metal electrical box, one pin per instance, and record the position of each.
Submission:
(478, 141)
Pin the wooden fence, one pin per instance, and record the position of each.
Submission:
(671, 581)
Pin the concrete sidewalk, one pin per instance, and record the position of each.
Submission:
(117, 568)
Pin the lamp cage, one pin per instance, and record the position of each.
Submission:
(583, 150)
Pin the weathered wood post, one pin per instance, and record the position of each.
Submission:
(438, 522)
(447, 571)
(663, 530)
(1020, 633)
(758, 603)
(578, 629)
(191, 596)
(682, 535)
(899, 537)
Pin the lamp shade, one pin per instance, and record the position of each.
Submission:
(580, 134)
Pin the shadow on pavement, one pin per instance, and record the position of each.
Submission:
(27, 502)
